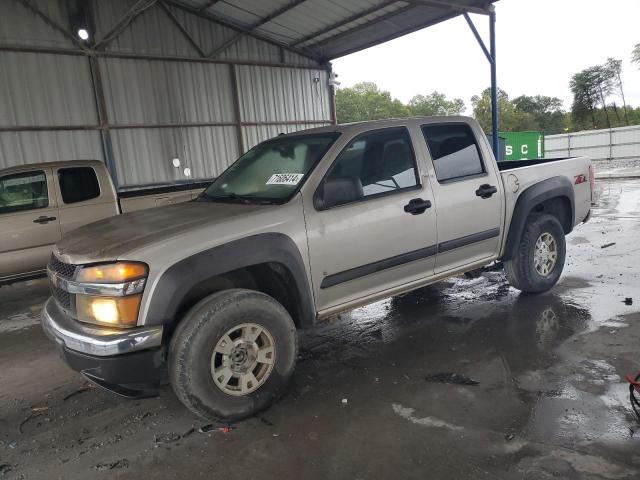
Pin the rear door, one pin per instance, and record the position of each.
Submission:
(29, 223)
(374, 228)
(468, 188)
(83, 199)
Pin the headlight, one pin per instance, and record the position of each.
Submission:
(111, 311)
(110, 294)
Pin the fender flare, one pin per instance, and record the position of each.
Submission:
(554, 187)
(176, 282)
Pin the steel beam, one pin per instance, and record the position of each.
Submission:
(494, 84)
(137, 9)
(151, 56)
(382, 18)
(43, 16)
(208, 5)
(346, 21)
(235, 98)
(239, 28)
(136, 126)
(491, 57)
(258, 24)
(452, 6)
(182, 28)
(101, 107)
(474, 30)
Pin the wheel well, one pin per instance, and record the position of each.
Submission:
(559, 207)
(271, 278)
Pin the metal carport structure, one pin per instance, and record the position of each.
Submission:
(230, 46)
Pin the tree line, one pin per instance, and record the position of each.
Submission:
(598, 102)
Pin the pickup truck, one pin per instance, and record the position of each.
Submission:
(39, 203)
(209, 294)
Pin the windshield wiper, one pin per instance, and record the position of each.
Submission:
(248, 199)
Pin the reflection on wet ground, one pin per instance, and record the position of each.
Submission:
(549, 402)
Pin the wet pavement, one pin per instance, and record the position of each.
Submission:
(385, 391)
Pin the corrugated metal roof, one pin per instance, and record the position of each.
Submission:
(332, 28)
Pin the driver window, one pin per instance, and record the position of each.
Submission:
(372, 165)
(23, 191)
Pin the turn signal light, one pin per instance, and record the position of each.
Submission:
(113, 273)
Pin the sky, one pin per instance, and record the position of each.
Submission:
(539, 44)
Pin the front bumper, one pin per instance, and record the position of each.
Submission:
(128, 362)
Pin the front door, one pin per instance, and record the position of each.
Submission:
(372, 226)
(469, 192)
(29, 225)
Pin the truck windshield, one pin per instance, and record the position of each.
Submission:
(271, 171)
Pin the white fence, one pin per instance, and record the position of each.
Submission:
(609, 144)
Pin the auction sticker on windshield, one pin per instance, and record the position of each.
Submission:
(285, 179)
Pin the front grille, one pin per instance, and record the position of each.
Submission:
(64, 270)
(63, 298)
(67, 272)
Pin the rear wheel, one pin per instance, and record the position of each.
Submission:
(232, 355)
(538, 260)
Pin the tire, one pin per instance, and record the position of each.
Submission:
(520, 269)
(192, 359)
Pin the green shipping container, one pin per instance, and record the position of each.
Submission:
(523, 145)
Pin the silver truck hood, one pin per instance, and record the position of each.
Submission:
(113, 237)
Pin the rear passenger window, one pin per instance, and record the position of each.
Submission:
(373, 164)
(78, 184)
(23, 191)
(454, 150)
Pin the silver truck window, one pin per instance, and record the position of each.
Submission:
(373, 164)
(271, 171)
(23, 191)
(454, 150)
(78, 184)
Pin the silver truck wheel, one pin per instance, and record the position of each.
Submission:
(232, 355)
(545, 254)
(243, 359)
(536, 264)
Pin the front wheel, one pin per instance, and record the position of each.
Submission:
(537, 262)
(232, 354)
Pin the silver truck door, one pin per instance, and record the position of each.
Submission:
(371, 223)
(469, 195)
(29, 225)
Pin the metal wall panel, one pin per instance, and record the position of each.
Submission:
(151, 32)
(20, 148)
(144, 92)
(19, 26)
(255, 134)
(38, 89)
(144, 155)
(615, 143)
(283, 94)
(168, 101)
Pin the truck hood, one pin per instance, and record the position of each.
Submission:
(113, 237)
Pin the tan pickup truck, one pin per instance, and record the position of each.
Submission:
(40, 203)
(301, 227)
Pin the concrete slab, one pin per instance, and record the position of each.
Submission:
(550, 402)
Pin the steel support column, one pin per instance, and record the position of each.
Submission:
(494, 83)
(491, 57)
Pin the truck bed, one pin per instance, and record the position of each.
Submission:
(506, 165)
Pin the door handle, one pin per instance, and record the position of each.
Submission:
(486, 190)
(417, 206)
(44, 219)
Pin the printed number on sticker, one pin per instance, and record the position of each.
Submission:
(285, 178)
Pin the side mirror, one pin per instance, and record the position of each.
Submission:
(338, 191)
